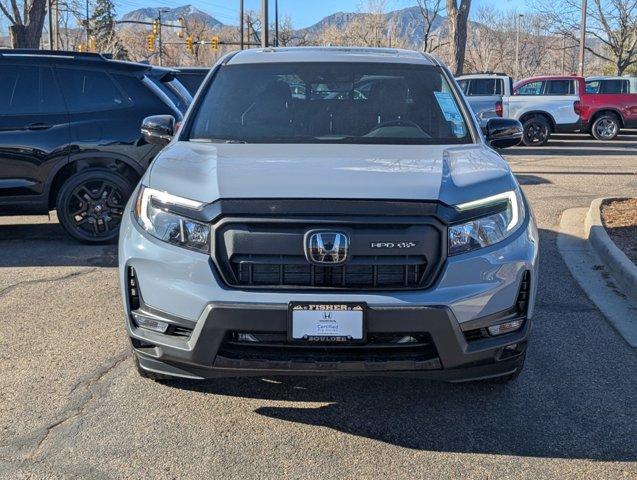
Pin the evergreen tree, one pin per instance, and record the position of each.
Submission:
(103, 29)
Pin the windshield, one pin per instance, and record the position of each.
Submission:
(330, 103)
(175, 91)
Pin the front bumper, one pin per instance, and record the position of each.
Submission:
(472, 291)
(209, 353)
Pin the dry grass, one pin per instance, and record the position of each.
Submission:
(620, 219)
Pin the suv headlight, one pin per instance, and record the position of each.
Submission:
(153, 217)
(485, 231)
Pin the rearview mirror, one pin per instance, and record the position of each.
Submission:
(158, 129)
(504, 132)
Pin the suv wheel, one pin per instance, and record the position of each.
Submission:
(605, 127)
(90, 205)
(537, 131)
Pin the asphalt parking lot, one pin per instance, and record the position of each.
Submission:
(72, 405)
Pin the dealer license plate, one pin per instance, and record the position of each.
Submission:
(327, 322)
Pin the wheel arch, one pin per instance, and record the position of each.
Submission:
(603, 111)
(541, 113)
(120, 164)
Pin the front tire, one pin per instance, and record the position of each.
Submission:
(605, 127)
(537, 131)
(91, 203)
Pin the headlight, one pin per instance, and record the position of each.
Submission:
(168, 226)
(488, 230)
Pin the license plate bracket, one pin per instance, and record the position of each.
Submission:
(327, 322)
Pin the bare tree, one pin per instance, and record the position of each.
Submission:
(369, 28)
(26, 21)
(288, 35)
(611, 28)
(458, 18)
(488, 42)
(430, 11)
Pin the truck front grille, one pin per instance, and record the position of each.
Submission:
(272, 253)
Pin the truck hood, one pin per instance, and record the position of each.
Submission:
(451, 174)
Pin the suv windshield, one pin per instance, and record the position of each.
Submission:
(331, 103)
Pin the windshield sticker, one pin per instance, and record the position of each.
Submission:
(448, 107)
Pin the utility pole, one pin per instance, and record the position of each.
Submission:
(50, 5)
(517, 47)
(564, 54)
(276, 23)
(159, 42)
(241, 23)
(57, 25)
(264, 24)
(582, 39)
(88, 29)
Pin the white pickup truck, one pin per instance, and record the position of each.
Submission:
(544, 105)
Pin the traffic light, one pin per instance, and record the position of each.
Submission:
(156, 26)
(189, 43)
(214, 43)
(182, 27)
(151, 42)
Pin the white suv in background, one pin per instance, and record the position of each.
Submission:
(544, 105)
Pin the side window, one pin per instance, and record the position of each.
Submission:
(50, 95)
(484, 86)
(560, 87)
(614, 86)
(90, 90)
(531, 88)
(464, 86)
(592, 86)
(28, 90)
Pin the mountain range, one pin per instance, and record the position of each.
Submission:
(173, 15)
(407, 23)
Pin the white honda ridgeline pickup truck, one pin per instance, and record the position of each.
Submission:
(544, 105)
(329, 211)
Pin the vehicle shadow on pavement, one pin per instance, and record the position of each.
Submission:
(47, 244)
(578, 146)
(574, 399)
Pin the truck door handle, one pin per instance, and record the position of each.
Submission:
(38, 126)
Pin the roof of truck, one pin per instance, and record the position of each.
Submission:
(330, 54)
(482, 75)
(609, 77)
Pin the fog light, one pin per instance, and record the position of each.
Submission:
(406, 339)
(246, 337)
(506, 327)
(150, 323)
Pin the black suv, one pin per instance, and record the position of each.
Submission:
(192, 77)
(70, 135)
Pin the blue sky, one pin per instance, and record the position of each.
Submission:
(303, 12)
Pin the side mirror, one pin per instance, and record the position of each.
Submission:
(504, 132)
(158, 129)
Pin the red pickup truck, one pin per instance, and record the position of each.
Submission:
(609, 104)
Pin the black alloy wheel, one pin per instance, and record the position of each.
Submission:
(537, 132)
(91, 204)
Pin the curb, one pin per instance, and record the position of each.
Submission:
(623, 270)
(594, 277)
